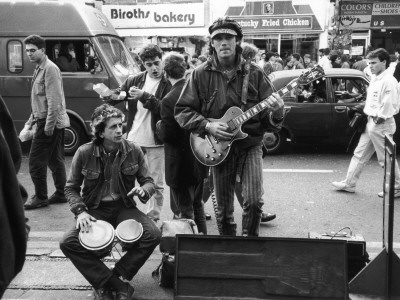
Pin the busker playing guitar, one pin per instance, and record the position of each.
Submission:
(211, 90)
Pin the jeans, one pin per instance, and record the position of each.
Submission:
(47, 151)
(372, 140)
(90, 265)
(245, 165)
(155, 157)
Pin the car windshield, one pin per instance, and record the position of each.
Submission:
(118, 57)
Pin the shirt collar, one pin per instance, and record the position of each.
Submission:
(41, 66)
(383, 74)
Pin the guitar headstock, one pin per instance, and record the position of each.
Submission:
(311, 75)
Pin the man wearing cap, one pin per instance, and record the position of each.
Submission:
(211, 90)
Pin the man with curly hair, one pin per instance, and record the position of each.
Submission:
(211, 90)
(144, 92)
(101, 186)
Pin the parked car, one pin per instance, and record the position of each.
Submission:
(318, 111)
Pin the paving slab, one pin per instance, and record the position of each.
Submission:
(52, 278)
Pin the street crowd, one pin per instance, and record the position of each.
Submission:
(172, 99)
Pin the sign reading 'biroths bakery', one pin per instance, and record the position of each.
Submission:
(153, 16)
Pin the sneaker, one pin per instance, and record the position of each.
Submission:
(34, 202)
(266, 217)
(396, 194)
(55, 198)
(342, 186)
(103, 294)
(127, 294)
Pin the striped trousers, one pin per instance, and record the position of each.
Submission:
(244, 166)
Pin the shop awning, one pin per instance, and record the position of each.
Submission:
(186, 31)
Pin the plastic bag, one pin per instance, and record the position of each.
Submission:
(27, 133)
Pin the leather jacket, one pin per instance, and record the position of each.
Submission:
(209, 94)
(87, 168)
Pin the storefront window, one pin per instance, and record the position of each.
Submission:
(300, 43)
(267, 42)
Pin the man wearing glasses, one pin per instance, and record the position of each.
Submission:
(49, 113)
(144, 92)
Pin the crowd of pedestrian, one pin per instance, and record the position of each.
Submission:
(171, 98)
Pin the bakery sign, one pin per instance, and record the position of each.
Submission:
(278, 16)
(155, 15)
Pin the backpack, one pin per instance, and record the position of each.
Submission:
(169, 229)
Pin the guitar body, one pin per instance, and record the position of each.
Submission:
(210, 151)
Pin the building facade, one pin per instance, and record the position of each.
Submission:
(374, 23)
(174, 25)
(285, 26)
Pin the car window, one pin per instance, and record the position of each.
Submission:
(73, 55)
(349, 90)
(315, 92)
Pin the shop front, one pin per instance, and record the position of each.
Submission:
(173, 26)
(372, 23)
(283, 26)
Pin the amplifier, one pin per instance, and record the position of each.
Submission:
(357, 256)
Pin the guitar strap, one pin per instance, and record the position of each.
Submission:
(245, 82)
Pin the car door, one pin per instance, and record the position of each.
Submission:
(345, 92)
(310, 118)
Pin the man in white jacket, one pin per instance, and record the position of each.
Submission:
(381, 105)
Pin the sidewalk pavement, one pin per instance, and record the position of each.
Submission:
(48, 274)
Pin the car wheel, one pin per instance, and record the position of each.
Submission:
(273, 142)
(74, 137)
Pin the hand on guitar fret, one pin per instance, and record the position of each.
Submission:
(275, 102)
(220, 131)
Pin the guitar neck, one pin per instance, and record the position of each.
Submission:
(256, 109)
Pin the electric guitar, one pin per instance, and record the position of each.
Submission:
(211, 151)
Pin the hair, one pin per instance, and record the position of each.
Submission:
(296, 56)
(344, 58)
(249, 50)
(195, 56)
(381, 54)
(333, 57)
(36, 40)
(393, 58)
(327, 51)
(307, 55)
(227, 23)
(359, 58)
(321, 50)
(100, 117)
(64, 51)
(174, 65)
(269, 55)
(150, 52)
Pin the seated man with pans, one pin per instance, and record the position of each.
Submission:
(101, 186)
